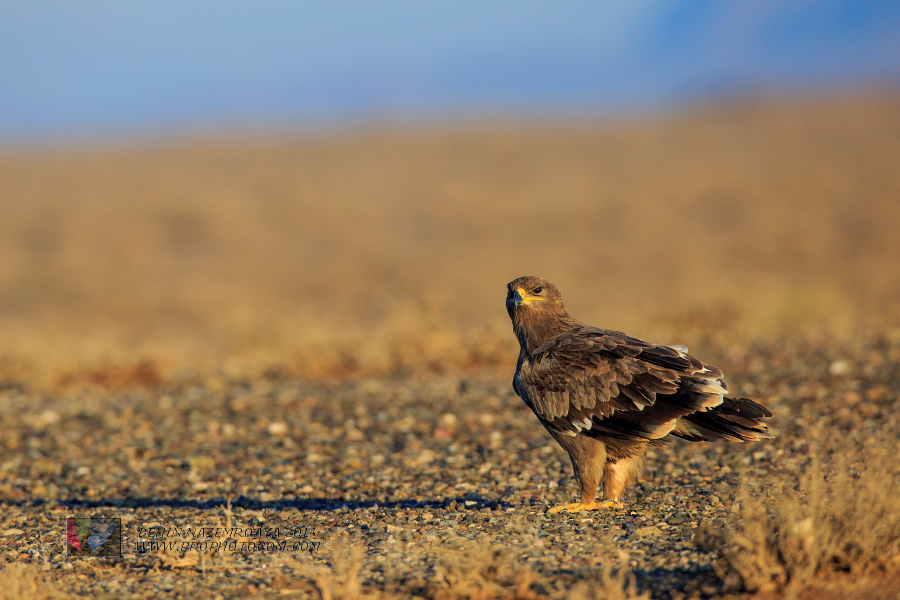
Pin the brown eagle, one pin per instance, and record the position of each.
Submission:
(605, 396)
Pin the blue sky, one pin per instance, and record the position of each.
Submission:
(95, 68)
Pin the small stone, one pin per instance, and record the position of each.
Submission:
(47, 418)
(446, 426)
(839, 367)
(425, 457)
(647, 531)
(278, 428)
(13, 531)
(852, 398)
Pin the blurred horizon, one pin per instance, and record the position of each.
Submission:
(340, 189)
(387, 251)
(98, 69)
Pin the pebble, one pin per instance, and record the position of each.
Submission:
(277, 428)
(839, 367)
(418, 485)
(647, 531)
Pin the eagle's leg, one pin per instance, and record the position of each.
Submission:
(588, 456)
(619, 474)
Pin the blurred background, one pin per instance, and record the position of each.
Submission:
(196, 189)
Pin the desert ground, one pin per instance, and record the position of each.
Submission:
(284, 361)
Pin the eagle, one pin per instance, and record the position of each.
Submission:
(605, 397)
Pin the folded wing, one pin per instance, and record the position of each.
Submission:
(604, 383)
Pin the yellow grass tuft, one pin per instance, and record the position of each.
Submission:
(19, 581)
(831, 529)
(455, 569)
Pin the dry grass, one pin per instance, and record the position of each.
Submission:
(456, 570)
(19, 581)
(384, 250)
(832, 530)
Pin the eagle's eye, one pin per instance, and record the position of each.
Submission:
(537, 290)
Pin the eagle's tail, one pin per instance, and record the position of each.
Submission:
(736, 419)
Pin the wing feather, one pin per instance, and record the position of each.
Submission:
(604, 383)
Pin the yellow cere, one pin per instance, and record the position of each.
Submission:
(526, 298)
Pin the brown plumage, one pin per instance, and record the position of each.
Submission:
(605, 396)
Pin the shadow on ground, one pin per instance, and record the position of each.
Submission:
(468, 501)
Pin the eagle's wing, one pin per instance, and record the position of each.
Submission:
(601, 382)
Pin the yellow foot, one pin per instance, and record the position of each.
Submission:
(591, 506)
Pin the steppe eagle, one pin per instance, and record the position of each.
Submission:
(605, 396)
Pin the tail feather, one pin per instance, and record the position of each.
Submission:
(736, 419)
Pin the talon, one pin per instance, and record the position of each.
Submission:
(566, 507)
(578, 506)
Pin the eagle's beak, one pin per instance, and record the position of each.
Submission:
(519, 297)
(514, 301)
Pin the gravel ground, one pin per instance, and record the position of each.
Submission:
(389, 485)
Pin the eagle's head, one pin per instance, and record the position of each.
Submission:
(529, 295)
(536, 309)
